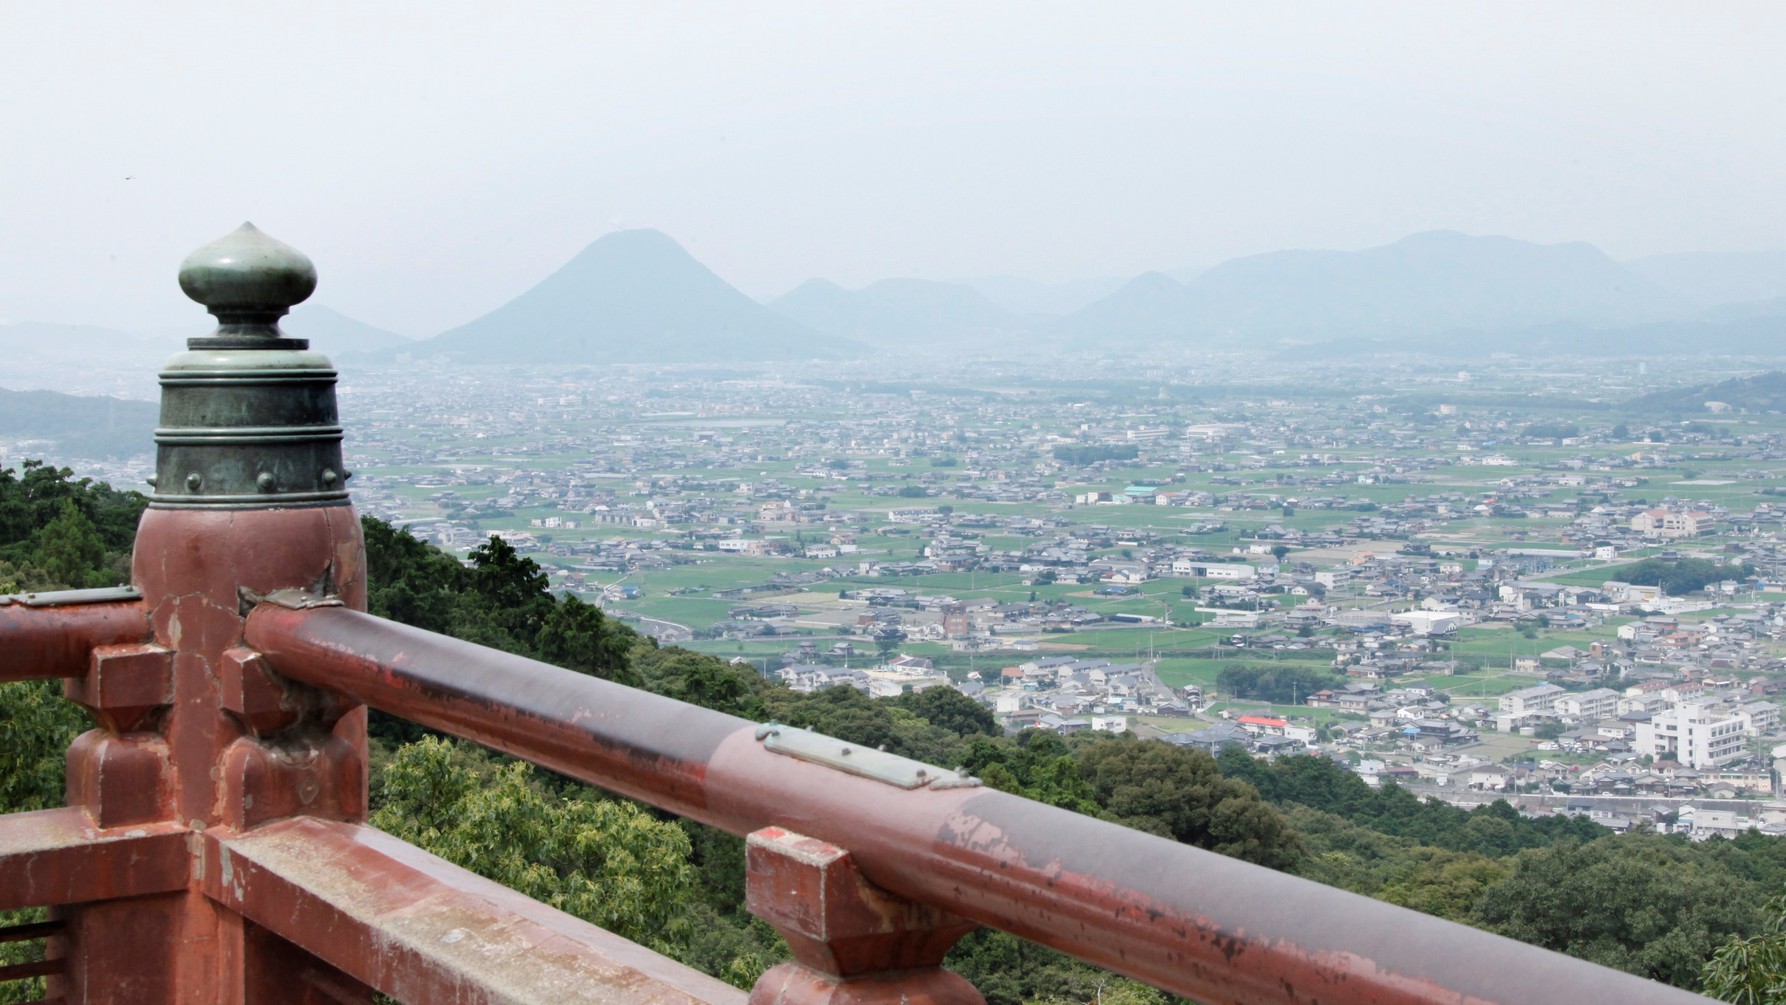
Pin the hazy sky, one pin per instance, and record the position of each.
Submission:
(436, 158)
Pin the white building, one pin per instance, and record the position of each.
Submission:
(1704, 736)
(1212, 570)
(1600, 703)
(1542, 698)
(1429, 622)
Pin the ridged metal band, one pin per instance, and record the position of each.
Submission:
(246, 438)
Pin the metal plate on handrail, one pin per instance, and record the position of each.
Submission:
(856, 759)
(70, 598)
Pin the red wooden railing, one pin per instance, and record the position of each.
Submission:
(214, 849)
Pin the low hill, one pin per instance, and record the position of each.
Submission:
(1762, 393)
(76, 425)
(634, 296)
(898, 314)
(42, 343)
(331, 331)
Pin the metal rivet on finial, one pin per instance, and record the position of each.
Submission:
(265, 481)
(193, 481)
(329, 477)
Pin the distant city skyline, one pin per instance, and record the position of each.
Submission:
(437, 161)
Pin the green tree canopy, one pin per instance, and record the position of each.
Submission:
(1179, 793)
(1650, 905)
(603, 860)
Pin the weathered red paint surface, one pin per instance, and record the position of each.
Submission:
(120, 780)
(833, 918)
(193, 568)
(125, 685)
(852, 941)
(1193, 922)
(420, 929)
(181, 745)
(45, 642)
(59, 857)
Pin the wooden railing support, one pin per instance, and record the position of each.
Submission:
(853, 943)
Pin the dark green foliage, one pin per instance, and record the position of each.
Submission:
(409, 580)
(1284, 683)
(503, 600)
(1752, 971)
(70, 551)
(1684, 575)
(604, 860)
(848, 714)
(1318, 783)
(1079, 456)
(951, 710)
(1037, 766)
(36, 726)
(1180, 794)
(1356, 858)
(577, 636)
(1650, 905)
(701, 680)
(1010, 971)
(56, 532)
(60, 532)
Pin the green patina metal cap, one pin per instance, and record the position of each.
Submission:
(248, 281)
(248, 416)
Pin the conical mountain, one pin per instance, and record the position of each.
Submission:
(900, 313)
(634, 296)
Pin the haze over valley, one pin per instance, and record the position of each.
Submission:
(1351, 439)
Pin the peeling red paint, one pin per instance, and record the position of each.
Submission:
(1192, 922)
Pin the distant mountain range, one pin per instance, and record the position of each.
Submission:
(84, 346)
(896, 314)
(638, 297)
(1029, 297)
(1422, 285)
(79, 426)
(634, 296)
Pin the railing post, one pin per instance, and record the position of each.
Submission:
(249, 499)
(853, 943)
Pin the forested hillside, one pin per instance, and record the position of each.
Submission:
(1657, 906)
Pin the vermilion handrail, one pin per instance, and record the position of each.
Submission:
(1189, 921)
(49, 635)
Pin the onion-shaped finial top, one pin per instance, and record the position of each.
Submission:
(248, 280)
